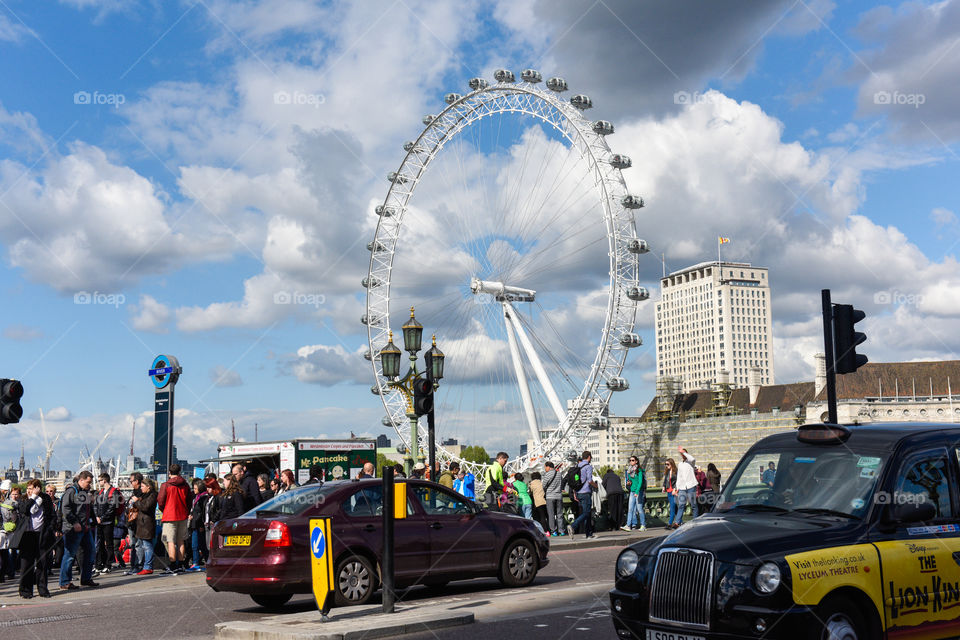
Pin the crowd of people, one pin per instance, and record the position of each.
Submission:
(99, 531)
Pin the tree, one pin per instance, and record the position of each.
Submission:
(383, 461)
(475, 453)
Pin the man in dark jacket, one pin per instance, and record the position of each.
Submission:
(76, 509)
(175, 498)
(136, 561)
(107, 507)
(613, 485)
(248, 482)
(34, 535)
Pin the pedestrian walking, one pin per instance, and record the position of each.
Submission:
(713, 476)
(212, 508)
(287, 481)
(539, 500)
(136, 561)
(32, 537)
(523, 496)
(232, 502)
(196, 525)
(263, 483)
(107, 506)
(146, 529)
(250, 486)
(446, 478)
(583, 494)
(637, 495)
(553, 493)
(613, 485)
(76, 507)
(56, 550)
(463, 482)
(8, 523)
(175, 498)
(367, 471)
(686, 485)
(493, 480)
(317, 472)
(670, 488)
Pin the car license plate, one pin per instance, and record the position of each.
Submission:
(236, 541)
(653, 634)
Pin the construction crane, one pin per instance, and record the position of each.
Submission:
(47, 445)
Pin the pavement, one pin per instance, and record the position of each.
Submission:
(419, 616)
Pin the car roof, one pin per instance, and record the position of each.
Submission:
(876, 435)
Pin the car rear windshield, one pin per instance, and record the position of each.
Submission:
(805, 477)
(296, 501)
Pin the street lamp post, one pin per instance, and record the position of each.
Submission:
(417, 390)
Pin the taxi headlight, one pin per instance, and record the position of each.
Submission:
(627, 563)
(767, 577)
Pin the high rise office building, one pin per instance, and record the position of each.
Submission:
(714, 325)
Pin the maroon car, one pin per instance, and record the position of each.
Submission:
(444, 537)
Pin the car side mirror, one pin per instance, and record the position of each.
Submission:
(911, 512)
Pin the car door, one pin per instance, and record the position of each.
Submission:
(460, 540)
(363, 510)
(921, 560)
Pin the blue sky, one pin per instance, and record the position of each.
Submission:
(189, 196)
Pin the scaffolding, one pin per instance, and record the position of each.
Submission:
(667, 390)
(721, 399)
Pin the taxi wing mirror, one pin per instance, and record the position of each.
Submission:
(911, 512)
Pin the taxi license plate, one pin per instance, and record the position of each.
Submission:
(236, 541)
(653, 634)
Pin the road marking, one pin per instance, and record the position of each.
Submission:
(27, 621)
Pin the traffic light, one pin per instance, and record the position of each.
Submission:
(845, 339)
(422, 396)
(10, 393)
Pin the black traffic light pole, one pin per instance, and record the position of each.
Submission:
(828, 351)
(389, 596)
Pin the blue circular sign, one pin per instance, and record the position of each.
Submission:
(165, 370)
(318, 545)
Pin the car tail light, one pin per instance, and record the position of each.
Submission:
(278, 535)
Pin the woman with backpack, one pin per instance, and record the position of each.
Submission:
(637, 490)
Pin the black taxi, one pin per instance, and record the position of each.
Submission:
(853, 533)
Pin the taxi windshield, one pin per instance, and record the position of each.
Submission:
(805, 478)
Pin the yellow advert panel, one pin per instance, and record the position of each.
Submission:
(817, 573)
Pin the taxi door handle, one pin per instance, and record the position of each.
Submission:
(956, 557)
(369, 528)
(436, 525)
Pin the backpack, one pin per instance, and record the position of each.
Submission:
(574, 481)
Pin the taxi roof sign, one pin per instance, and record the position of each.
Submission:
(823, 433)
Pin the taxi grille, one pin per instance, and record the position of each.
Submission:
(682, 588)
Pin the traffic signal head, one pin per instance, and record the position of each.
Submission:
(845, 339)
(422, 396)
(10, 393)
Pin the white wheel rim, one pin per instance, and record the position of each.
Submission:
(594, 396)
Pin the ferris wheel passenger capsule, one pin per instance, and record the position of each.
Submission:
(366, 355)
(621, 161)
(618, 384)
(600, 422)
(557, 84)
(636, 245)
(478, 84)
(450, 98)
(386, 211)
(369, 283)
(386, 421)
(364, 319)
(427, 119)
(375, 389)
(630, 340)
(602, 127)
(531, 75)
(632, 202)
(375, 247)
(412, 147)
(638, 293)
(393, 176)
(581, 101)
(504, 75)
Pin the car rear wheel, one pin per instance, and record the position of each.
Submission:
(355, 581)
(518, 567)
(271, 601)
(840, 619)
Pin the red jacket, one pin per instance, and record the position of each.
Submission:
(174, 499)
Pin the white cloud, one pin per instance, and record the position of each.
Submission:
(329, 365)
(58, 414)
(151, 315)
(11, 31)
(22, 333)
(220, 376)
(942, 217)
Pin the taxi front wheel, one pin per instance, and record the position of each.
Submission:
(518, 567)
(355, 581)
(839, 619)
